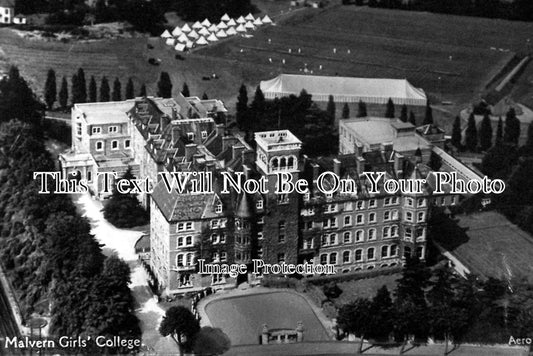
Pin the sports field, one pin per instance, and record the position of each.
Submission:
(242, 317)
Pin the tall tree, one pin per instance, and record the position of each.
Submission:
(117, 90)
(485, 133)
(499, 132)
(50, 89)
(130, 89)
(82, 86)
(105, 90)
(204, 96)
(63, 94)
(457, 136)
(345, 111)
(511, 133)
(361, 109)
(356, 318)
(383, 314)
(211, 341)
(471, 134)
(389, 112)
(93, 91)
(412, 118)
(17, 100)
(74, 90)
(403, 113)
(330, 109)
(242, 108)
(428, 118)
(142, 92)
(164, 86)
(182, 326)
(435, 161)
(185, 90)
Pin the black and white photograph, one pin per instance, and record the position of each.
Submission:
(266, 177)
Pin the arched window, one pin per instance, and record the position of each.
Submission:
(189, 259)
(370, 253)
(323, 259)
(358, 255)
(290, 163)
(283, 163)
(384, 251)
(179, 260)
(393, 250)
(386, 232)
(274, 163)
(333, 258)
(359, 235)
(407, 251)
(347, 237)
(180, 241)
(346, 257)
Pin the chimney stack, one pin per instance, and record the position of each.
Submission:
(337, 167)
(360, 165)
(190, 149)
(220, 130)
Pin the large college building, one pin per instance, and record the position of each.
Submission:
(352, 229)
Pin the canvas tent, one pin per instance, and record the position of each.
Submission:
(249, 26)
(212, 38)
(258, 22)
(189, 44)
(206, 23)
(221, 34)
(180, 47)
(249, 17)
(231, 23)
(213, 28)
(231, 31)
(201, 41)
(241, 20)
(166, 34)
(183, 38)
(225, 18)
(240, 28)
(186, 28)
(170, 41)
(204, 32)
(345, 89)
(193, 34)
(197, 25)
(177, 31)
(222, 25)
(266, 19)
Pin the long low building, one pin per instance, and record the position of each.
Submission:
(345, 89)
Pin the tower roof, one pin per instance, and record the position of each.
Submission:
(243, 208)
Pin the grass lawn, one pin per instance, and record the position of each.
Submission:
(242, 317)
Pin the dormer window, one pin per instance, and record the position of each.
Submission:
(259, 204)
(113, 129)
(96, 130)
(190, 135)
(204, 134)
(218, 208)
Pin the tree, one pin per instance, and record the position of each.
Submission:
(242, 108)
(403, 113)
(182, 326)
(82, 86)
(345, 111)
(74, 90)
(17, 100)
(356, 318)
(124, 210)
(117, 90)
(511, 133)
(93, 91)
(185, 90)
(164, 86)
(130, 89)
(499, 160)
(456, 133)
(435, 161)
(330, 109)
(471, 134)
(389, 112)
(485, 133)
(142, 92)
(204, 96)
(211, 341)
(50, 89)
(105, 90)
(412, 118)
(499, 132)
(361, 109)
(63, 94)
(428, 119)
(383, 314)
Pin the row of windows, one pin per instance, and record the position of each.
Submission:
(114, 145)
(283, 163)
(332, 239)
(98, 130)
(387, 251)
(185, 259)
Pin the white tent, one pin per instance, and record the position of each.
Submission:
(249, 17)
(180, 47)
(186, 28)
(193, 34)
(266, 19)
(221, 34)
(222, 25)
(197, 25)
(170, 41)
(204, 32)
(241, 20)
(166, 34)
(212, 38)
(249, 26)
(258, 22)
(225, 18)
(177, 31)
(241, 28)
(213, 28)
(206, 23)
(231, 31)
(201, 41)
(183, 38)
(231, 23)
(189, 44)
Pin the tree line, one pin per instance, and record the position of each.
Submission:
(442, 305)
(521, 10)
(54, 263)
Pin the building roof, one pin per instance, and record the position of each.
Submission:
(7, 3)
(345, 89)
(112, 112)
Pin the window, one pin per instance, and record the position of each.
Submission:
(360, 205)
(346, 257)
(408, 216)
(372, 203)
(127, 143)
(387, 201)
(185, 226)
(190, 136)
(393, 251)
(307, 196)
(395, 200)
(408, 233)
(329, 223)
(281, 258)
(114, 145)
(215, 239)
(370, 253)
(323, 259)
(394, 214)
(421, 202)
(359, 219)
(184, 241)
(112, 129)
(394, 231)
(420, 252)
(204, 134)
(359, 236)
(330, 208)
(78, 129)
(420, 217)
(347, 220)
(333, 258)
(386, 232)
(184, 280)
(406, 251)
(260, 235)
(99, 145)
(281, 238)
(218, 208)
(308, 244)
(348, 206)
(358, 255)
(281, 224)
(386, 215)
(216, 257)
(333, 239)
(419, 233)
(260, 252)
(384, 251)
(259, 204)
(96, 130)
(179, 260)
(283, 198)
(372, 217)
(409, 201)
(371, 234)
(89, 176)
(347, 237)
(223, 257)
